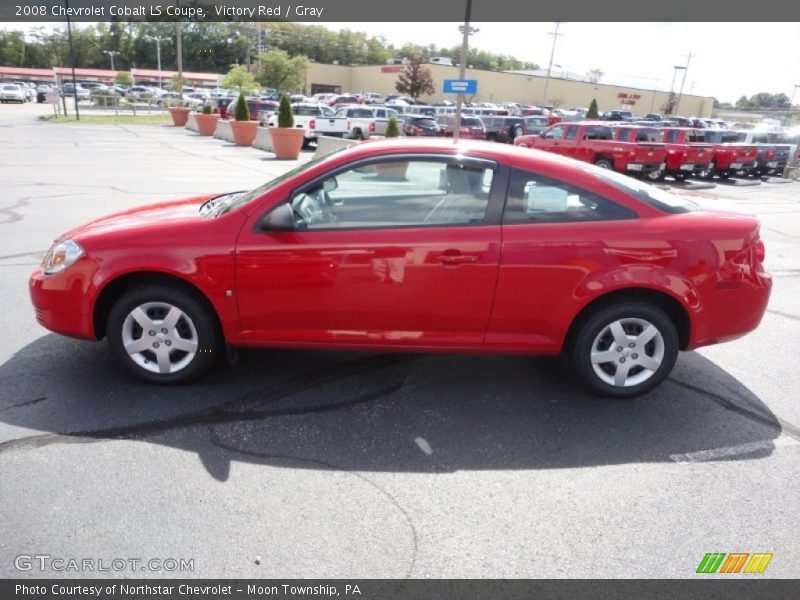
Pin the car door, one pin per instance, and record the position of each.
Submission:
(380, 254)
(551, 140)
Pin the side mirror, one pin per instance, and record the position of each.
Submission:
(330, 185)
(279, 220)
(541, 134)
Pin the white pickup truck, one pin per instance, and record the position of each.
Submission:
(363, 121)
(316, 119)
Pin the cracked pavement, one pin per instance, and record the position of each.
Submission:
(327, 464)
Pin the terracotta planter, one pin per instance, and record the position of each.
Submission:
(180, 114)
(286, 143)
(206, 124)
(244, 132)
(390, 170)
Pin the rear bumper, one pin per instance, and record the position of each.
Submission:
(644, 167)
(731, 311)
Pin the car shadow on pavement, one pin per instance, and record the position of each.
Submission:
(379, 412)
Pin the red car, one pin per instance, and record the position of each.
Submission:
(595, 143)
(421, 245)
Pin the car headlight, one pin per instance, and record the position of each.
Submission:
(62, 256)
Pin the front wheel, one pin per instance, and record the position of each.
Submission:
(604, 164)
(625, 349)
(163, 335)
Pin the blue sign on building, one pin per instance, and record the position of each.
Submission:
(461, 86)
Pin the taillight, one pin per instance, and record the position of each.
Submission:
(417, 129)
(372, 127)
(312, 124)
(761, 251)
(348, 125)
(632, 154)
(770, 153)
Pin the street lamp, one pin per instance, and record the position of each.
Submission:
(555, 35)
(672, 88)
(683, 80)
(158, 41)
(789, 108)
(466, 31)
(111, 54)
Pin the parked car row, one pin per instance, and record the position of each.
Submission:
(657, 152)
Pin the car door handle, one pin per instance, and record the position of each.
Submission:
(456, 259)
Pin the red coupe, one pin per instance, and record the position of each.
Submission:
(425, 245)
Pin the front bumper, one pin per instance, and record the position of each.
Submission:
(61, 301)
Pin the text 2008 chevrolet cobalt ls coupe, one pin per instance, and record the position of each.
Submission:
(419, 245)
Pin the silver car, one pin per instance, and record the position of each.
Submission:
(11, 92)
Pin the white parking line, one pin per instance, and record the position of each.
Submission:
(424, 445)
(727, 451)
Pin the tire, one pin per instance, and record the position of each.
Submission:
(681, 176)
(604, 163)
(195, 335)
(655, 175)
(708, 174)
(647, 365)
(724, 174)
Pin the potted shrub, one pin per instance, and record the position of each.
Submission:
(392, 170)
(243, 129)
(286, 140)
(207, 121)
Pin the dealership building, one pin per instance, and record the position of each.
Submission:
(493, 86)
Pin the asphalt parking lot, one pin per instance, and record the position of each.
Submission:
(315, 464)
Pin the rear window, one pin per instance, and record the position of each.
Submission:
(598, 132)
(471, 122)
(648, 135)
(360, 113)
(426, 122)
(306, 111)
(655, 197)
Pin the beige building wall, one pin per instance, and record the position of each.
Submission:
(500, 87)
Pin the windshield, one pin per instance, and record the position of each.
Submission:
(235, 201)
(649, 194)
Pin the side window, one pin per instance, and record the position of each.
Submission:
(624, 135)
(672, 136)
(572, 132)
(534, 198)
(406, 193)
(554, 133)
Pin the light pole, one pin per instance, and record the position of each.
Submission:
(158, 41)
(789, 108)
(555, 35)
(683, 80)
(72, 63)
(111, 55)
(462, 68)
(672, 89)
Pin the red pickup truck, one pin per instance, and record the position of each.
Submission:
(728, 157)
(683, 159)
(595, 143)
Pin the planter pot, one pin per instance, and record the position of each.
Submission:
(206, 124)
(395, 171)
(244, 132)
(286, 143)
(180, 114)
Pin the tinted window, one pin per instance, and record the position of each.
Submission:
(534, 198)
(554, 132)
(648, 135)
(598, 132)
(399, 194)
(471, 122)
(572, 132)
(624, 135)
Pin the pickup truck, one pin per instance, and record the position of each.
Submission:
(682, 159)
(774, 151)
(594, 143)
(315, 119)
(729, 156)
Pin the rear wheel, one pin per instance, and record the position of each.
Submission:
(681, 176)
(655, 175)
(604, 164)
(625, 349)
(163, 335)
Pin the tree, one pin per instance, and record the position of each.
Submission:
(669, 106)
(242, 111)
(285, 114)
(177, 83)
(392, 128)
(124, 78)
(240, 78)
(281, 72)
(593, 113)
(416, 79)
(595, 75)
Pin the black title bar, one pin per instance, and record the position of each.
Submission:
(320, 11)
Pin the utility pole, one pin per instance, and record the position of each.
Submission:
(158, 41)
(462, 68)
(72, 62)
(555, 35)
(179, 50)
(683, 80)
(111, 54)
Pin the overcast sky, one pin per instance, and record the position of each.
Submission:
(728, 59)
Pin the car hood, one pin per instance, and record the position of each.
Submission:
(148, 216)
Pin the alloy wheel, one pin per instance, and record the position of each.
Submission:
(627, 352)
